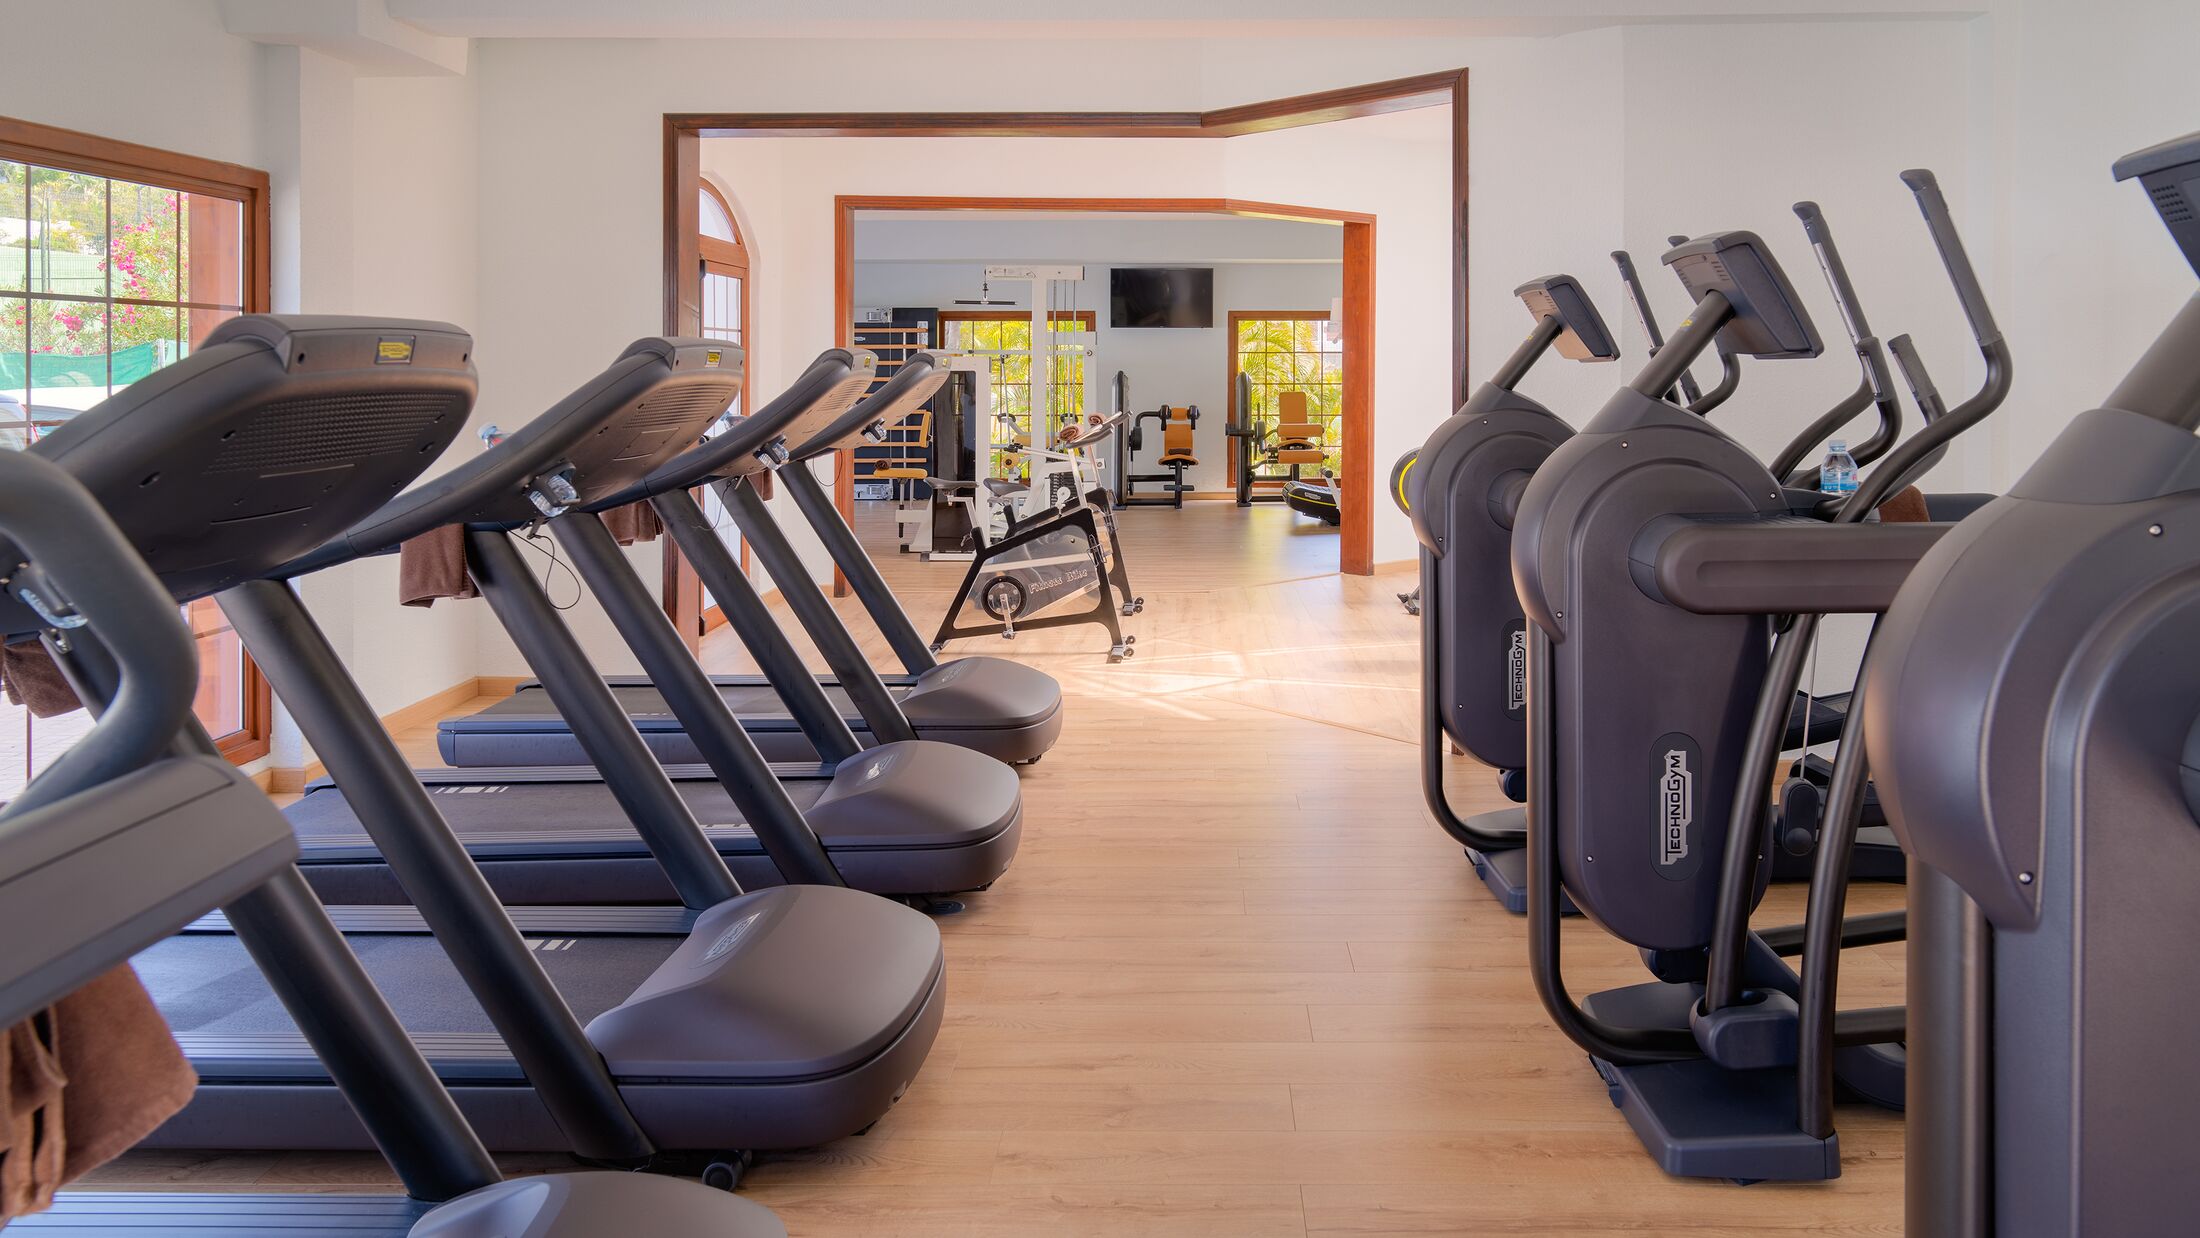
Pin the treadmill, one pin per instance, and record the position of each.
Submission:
(1004, 709)
(910, 817)
(780, 1018)
(140, 827)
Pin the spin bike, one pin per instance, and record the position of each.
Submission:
(1043, 545)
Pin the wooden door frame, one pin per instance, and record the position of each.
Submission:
(683, 133)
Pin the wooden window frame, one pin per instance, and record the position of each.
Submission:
(1230, 356)
(683, 589)
(1088, 320)
(67, 150)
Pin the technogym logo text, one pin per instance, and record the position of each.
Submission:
(1516, 670)
(1674, 760)
(1676, 807)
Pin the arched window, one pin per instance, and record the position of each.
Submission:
(725, 304)
(716, 219)
(725, 274)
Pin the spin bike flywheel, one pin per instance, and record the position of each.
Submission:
(1003, 598)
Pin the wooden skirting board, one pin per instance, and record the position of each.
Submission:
(291, 780)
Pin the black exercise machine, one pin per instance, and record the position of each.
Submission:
(1177, 426)
(1048, 555)
(1293, 443)
(141, 827)
(1663, 652)
(2028, 704)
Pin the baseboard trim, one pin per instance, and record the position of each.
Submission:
(292, 780)
(1395, 565)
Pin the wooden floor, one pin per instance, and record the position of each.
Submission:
(1237, 983)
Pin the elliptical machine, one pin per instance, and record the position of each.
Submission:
(1462, 490)
(1673, 586)
(2029, 708)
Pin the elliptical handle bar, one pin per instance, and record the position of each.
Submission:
(78, 570)
(1927, 396)
(1631, 284)
(1953, 256)
(1923, 391)
(1876, 387)
(1903, 464)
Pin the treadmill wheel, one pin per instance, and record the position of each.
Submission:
(726, 1175)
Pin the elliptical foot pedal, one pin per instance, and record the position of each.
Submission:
(1698, 1119)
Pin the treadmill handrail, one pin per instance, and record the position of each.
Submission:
(914, 382)
(82, 571)
(821, 381)
(511, 465)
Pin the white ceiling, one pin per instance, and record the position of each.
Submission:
(1011, 19)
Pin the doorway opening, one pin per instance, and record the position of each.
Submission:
(1066, 133)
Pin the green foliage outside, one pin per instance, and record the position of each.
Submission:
(55, 238)
(1289, 354)
(1010, 380)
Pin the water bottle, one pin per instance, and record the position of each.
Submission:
(1837, 476)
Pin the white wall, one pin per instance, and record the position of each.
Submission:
(524, 201)
(1174, 366)
(164, 75)
(2084, 275)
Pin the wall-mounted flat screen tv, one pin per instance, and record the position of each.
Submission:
(1161, 297)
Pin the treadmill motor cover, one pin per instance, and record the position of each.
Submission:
(763, 989)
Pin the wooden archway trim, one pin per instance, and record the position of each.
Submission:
(684, 131)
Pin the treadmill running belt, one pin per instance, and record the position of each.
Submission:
(531, 818)
(188, 1214)
(563, 839)
(209, 990)
(752, 703)
(526, 729)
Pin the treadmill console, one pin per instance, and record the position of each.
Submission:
(1769, 320)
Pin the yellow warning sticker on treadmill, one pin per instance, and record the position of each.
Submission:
(397, 351)
(710, 358)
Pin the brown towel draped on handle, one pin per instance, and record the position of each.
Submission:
(34, 682)
(636, 522)
(1906, 507)
(433, 566)
(80, 1083)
